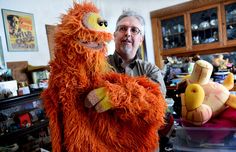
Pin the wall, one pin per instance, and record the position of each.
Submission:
(49, 11)
(45, 12)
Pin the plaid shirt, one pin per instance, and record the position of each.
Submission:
(138, 67)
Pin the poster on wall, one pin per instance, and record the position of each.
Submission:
(19, 30)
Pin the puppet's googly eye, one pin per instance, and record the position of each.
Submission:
(95, 22)
(100, 22)
(105, 23)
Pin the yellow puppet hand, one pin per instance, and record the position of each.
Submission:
(98, 98)
(194, 96)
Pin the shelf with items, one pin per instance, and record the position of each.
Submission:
(173, 32)
(14, 136)
(209, 24)
(204, 26)
(174, 40)
(208, 28)
(19, 100)
(22, 118)
(230, 22)
(205, 36)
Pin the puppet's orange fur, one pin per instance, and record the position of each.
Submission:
(138, 105)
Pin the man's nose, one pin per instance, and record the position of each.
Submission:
(128, 32)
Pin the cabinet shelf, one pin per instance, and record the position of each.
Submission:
(14, 101)
(206, 29)
(14, 136)
(174, 34)
(18, 112)
(231, 23)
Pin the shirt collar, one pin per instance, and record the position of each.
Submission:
(119, 60)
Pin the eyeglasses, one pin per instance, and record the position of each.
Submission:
(123, 28)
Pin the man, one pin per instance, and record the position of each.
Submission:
(14, 24)
(128, 38)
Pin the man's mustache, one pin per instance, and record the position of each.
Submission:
(127, 39)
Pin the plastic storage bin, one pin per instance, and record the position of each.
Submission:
(197, 139)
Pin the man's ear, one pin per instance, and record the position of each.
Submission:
(141, 40)
(114, 34)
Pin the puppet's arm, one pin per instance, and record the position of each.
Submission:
(137, 98)
(130, 97)
(51, 105)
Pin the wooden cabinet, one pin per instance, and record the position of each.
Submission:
(195, 27)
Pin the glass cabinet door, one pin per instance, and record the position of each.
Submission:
(230, 12)
(204, 26)
(173, 33)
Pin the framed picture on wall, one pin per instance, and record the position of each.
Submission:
(19, 30)
(50, 30)
(142, 52)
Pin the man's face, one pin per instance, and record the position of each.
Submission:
(128, 37)
(15, 23)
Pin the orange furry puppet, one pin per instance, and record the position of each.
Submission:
(80, 66)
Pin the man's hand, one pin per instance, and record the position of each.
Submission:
(98, 98)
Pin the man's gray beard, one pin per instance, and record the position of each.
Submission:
(127, 49)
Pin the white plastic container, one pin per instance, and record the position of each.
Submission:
(197, 139)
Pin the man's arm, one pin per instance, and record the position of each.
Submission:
(154, 73)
